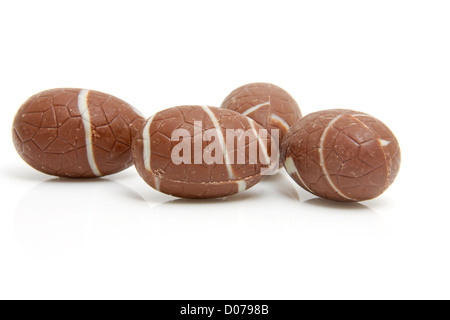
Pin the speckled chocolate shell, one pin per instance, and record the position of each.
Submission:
(269, 105)
(154, 147)
(76, 133)
(341, 155)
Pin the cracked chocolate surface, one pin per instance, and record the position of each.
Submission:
(196, 180)
(49, 133)
(341, 155)
(269, 105)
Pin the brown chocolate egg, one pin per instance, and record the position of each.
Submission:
(341, 155)
(202, 152)
(76, 133)
(269, 105)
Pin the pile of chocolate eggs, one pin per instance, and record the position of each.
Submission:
(202, 152)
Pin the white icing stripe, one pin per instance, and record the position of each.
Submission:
(360, 115)
(221, 140)
(86, 117)
(254, 108)
(292, 170)
(381, 142)
(322, 158)
(242, 185)
(260, 142)
(280, 120)
(157, 183)
(146, 141)
(137, 112)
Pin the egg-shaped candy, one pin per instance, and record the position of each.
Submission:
(269, 105)
(202, 152)
(76, 133)
(341, 155)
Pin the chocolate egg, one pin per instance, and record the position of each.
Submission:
(269, 105)
(341, 155)
(202, 152)
(76, 133)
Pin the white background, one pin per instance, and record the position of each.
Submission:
(117, 238)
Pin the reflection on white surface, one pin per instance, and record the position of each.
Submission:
(61, 214)
(58, 216)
